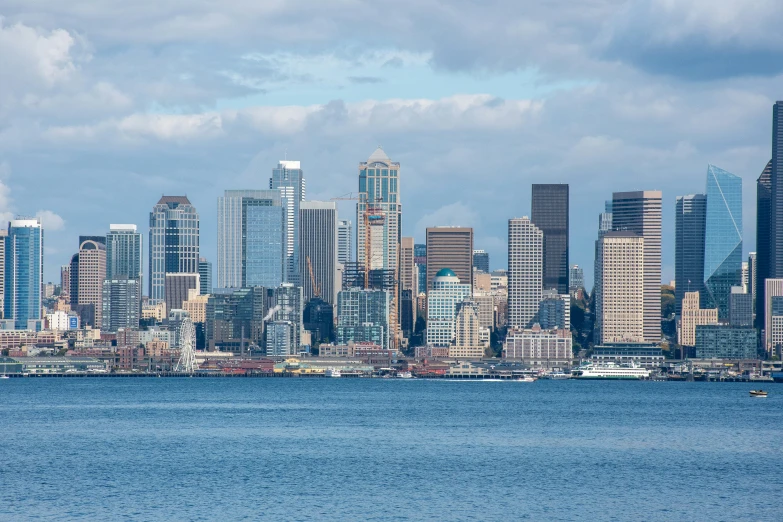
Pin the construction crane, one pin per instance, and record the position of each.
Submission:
(316, 288)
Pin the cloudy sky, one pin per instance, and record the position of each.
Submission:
(107, 104)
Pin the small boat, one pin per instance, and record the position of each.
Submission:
(4, 376)
(758, 393)
(525, 378)
(331, 372)
(404, 375)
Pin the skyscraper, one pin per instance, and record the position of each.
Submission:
(420, 258)
(452, 248)
(481, 261)
(525, 271)
(576, 279)
(723, 238)
(344, 242)
(3, 236)
(121, 303)
(443, 298)
(409, 284)
(205, 276)
(776, 195)
(173, 242)
(176, 289)
(92, 272)
(123, 252)
(318, 250)
(363, 316)
(288, 178)
(266, 231)
(619, 288)
(23, 274)
(752, 269)
(640, 212)
(690, 224)
(379, 209)
(549, 212)
(763, 240)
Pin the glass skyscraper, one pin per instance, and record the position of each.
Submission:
(23, 274)
(379, 192)
(776, 195)
(690, 222)
(123, 252)
(763, 216)
(263, 248)
(723, 238)
(549, 212)
(205, 276)
(289, 179)
(174, 242)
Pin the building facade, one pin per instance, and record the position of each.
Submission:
(539, 348)
(92, 273)
(124, 252)
(740, 307)
(549, 212)
(121, 304)
(525, 271)
(344, 241)
(640, 212)
(288, 178)
(452, 248)
(773, 287)
(576, 279)
(691, 316)
(467, 332)
(443, 299)
(619, 288)
(363, 316)
(205, 276)
(481, 261)
(177, 288)
(318, 243)
(721, 341)
(763, 240)
(378, 213)
(690, 226)
(23, 267)
(723, 238)
(173, 242)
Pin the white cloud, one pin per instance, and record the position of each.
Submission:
(50, 221)
(456, 214)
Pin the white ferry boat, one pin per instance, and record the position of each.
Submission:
(404, 375)
(331, 372)
(610, 371)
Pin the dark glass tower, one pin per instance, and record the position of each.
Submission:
(776, 204)
(691, 214)
(549, 213)
(763, 243)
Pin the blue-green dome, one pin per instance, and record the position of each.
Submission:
(445, 272)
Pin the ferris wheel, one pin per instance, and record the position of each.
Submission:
(187, 346)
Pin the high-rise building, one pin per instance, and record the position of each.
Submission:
(344, 241)
(740, 307)
(720, 341)
(123, 252)
(752, 281)
(723, 238)
(280, 339)
(235, 319)
(378, 212)
(444, 296)
(525, 271)
(23, 274)
(452, 248)
(288, 305)
(65, 270)
(691, 316)
(363, 316)
(745, 275)
(549, 212)
(177, 286)
(121, 303)
(205, 276)
(640, 212)
(763, 240)
(619, 288)
(776, 194)
(576, 279)
(318, 250)
(420, 258)
(554, 310)
(690, 224)
(773, 288)
(92, 273)
(408, 283)
(481, 261)
(288, 178)
(3, 236)
(173, 242)
(467, 331)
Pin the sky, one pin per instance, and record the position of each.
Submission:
(106, 105)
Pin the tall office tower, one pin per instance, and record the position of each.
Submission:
(745, 275)
(446, 293)
(173, 242)
(73, 274)
(3, 236)
(378, 212)
(177, 285)
(409, 285)
(205, 276)
(467, 331)
(123, 252)
(693, 315)
(776, 194)
(65, 271)
(287, 302)
(619, 288)
(420, 258)
(773, 288)
(452, 248)
(23, 275)
(121, 304)
(690, 224)
(549, 212)
(481, 261)
(740, 307)
(576, 279)
(752, 280)
(363, 316)
(640, 212)
(723, 238)
(763, 240)
(251, 238)
(92, 272)
(344, 242)
(289, 179)
(318, 250)
(525, 271)
(605, 219)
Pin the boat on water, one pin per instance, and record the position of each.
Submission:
(404, 375)
(4, 376)
(525, 378)
(758, 393)
(556, 375)
(331, 372)
(610, 371)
